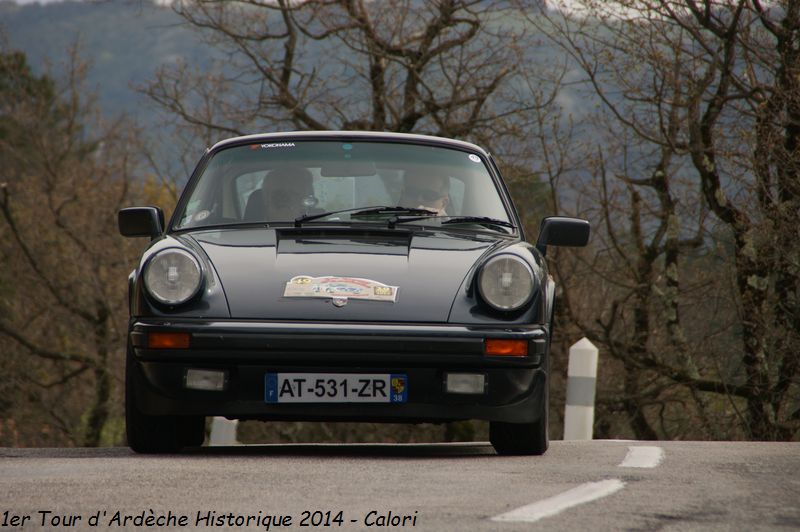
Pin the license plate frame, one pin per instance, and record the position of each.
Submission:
(335, 388)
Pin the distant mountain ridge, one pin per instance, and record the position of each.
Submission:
(124, 42)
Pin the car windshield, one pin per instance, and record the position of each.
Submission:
(278, 182)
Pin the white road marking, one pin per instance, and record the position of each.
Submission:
(642, 456)
(591, 491)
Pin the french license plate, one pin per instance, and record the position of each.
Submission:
(335, 388)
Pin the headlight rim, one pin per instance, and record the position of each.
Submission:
(529, 269)
(197, 289)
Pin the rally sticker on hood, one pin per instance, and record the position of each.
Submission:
(339, 287)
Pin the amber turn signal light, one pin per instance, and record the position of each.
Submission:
(506, 348)
(168, 340)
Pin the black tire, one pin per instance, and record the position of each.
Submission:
(519, 438)
(525, 438)
(156, 434)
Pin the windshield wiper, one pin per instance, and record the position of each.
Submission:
(404, 215)
(227, 225)
(482, 220)
(412, 211)
(364, 211)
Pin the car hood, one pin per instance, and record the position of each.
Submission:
(427, 268)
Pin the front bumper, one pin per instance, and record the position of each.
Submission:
(247, 350)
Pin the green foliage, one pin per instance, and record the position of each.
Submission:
(16, 78)
(113, 433)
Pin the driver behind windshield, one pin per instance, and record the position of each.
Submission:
(281, 195)
(424, 190)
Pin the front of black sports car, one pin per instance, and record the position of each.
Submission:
(345, 276)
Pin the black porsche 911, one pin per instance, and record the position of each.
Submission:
(341, 276)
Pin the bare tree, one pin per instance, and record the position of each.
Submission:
(453, 68)
(63, 307)
(701, 99)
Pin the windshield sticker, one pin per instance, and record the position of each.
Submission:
(339, 287)
(202, 215)
(474, 158)
(273, 145)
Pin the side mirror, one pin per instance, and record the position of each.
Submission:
(141, 221)
(562, 231)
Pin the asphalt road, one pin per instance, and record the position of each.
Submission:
(597, 485)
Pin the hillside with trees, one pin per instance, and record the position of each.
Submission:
(671, 125)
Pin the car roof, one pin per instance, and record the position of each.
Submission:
(344, 136)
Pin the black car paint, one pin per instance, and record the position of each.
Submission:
(247, 269)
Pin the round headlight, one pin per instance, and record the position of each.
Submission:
(506, 282)
(173, 276)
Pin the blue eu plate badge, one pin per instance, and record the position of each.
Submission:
(399, 388)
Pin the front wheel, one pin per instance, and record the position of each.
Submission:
(519, 438)
(525, 438)
(156, 434)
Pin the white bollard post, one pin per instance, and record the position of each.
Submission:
(581, 385)
(223, 431)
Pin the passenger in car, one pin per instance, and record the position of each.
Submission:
(281, 195)
(426, 191)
